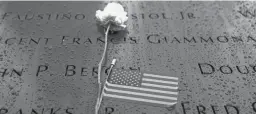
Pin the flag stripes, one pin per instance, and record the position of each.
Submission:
(159, 76)
(138, 89)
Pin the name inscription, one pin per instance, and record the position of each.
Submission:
(150, 38)
(81, 16)
(185, 105)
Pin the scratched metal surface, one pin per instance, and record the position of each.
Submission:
(154, 42)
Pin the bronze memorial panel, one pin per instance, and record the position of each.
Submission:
(50, 53)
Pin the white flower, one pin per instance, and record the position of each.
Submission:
(113, 14)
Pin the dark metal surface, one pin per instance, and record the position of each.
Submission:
(50, 52)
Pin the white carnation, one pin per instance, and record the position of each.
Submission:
(113, 14)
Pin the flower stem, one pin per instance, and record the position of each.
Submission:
(104, 85)
(99, 71)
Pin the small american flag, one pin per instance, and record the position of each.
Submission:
(143, 87)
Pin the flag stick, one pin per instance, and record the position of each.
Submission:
(101, 96)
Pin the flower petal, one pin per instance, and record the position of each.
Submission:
(113, 13)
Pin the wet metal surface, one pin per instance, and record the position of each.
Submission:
(50, 52)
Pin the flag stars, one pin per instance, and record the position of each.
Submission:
(129, 78)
